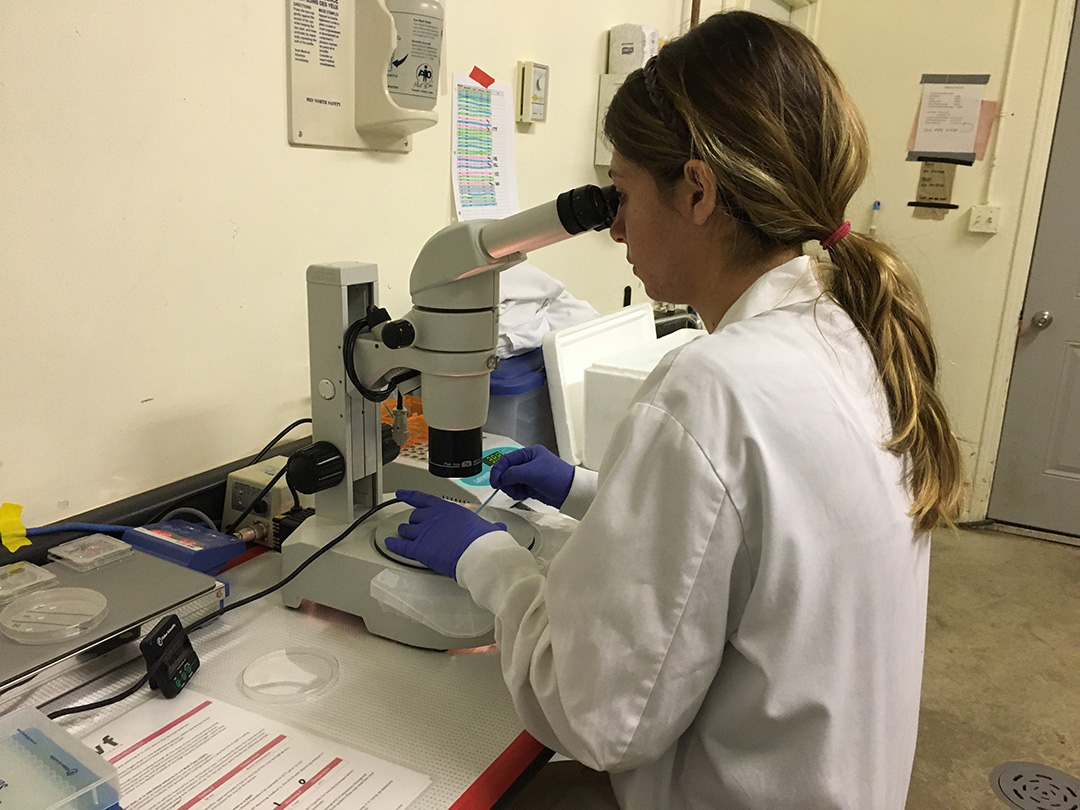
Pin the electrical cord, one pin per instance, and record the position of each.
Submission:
(192, 511)
(135, 687)
(255, 460)
(104, 528)
(348, 346)
(101, 704)
(297, 571)
(259, 456)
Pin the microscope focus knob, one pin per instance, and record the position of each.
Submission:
(397, 334)
(316, 468)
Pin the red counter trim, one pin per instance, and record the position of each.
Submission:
(500, 774)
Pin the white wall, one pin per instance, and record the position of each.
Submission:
(155, 224)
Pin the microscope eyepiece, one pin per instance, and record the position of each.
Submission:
(587, 208)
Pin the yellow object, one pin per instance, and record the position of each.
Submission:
(12, 530)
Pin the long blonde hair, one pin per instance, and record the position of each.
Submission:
(756, 101)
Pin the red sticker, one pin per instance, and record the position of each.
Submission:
(480, 77)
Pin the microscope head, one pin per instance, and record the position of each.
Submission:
(455, 291)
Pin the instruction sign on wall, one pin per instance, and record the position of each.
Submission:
(948, 122)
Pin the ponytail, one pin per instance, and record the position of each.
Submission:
(881, 296)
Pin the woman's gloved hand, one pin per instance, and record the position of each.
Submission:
(438, 532)
(533, 472)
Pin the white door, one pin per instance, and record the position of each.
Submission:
(1037, 476)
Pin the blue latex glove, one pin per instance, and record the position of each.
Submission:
(533, 472)
(438, 532)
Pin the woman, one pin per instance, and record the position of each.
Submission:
(738, 619)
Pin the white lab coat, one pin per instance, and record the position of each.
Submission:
(738, 619)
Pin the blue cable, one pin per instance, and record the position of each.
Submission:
(76, 527)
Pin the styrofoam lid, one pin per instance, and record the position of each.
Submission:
(568, 352)
(646, 358)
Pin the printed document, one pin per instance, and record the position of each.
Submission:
(196, 753)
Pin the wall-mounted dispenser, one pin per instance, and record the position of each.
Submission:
(413, 75)
(341, 65)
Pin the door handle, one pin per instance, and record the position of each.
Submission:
(1041, 320)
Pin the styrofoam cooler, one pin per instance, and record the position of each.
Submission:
(612, 383)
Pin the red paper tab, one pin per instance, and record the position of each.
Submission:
(481, 78)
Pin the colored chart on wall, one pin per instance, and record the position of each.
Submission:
(484, 173)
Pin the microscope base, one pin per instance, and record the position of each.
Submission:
(341, 579)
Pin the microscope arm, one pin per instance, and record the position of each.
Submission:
(454, 319)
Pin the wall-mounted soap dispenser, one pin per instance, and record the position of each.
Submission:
(362, 74)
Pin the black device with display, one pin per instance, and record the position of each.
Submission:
(170, 658)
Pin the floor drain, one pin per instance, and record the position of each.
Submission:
(1035, 787)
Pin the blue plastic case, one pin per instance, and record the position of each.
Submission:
(187, 544)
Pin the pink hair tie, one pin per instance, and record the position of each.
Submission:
(836, 235)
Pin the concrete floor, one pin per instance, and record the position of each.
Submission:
(1001, 681)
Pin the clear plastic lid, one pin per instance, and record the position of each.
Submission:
(294, 673)
(21, 578)
(52, 615)
(90, 552)
(435, 602)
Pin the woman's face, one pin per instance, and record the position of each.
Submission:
(659, 240)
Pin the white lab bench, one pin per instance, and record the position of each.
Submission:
(445, 714)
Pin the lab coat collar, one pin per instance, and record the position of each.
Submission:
(793, 282)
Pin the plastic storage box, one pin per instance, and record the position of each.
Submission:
(520, 407)
(42, 767)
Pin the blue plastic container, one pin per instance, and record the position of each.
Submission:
(520, 407)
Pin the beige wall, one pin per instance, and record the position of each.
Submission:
(974, 283)
(155, 225)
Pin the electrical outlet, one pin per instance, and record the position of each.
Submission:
(984, 219)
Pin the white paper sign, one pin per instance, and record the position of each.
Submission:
(949, 118)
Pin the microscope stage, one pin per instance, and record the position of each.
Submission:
(348, 577)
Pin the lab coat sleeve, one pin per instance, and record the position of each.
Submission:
(582, 493)
(609, 657)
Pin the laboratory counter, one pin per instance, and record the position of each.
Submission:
(444, 714)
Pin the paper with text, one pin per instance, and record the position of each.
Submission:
(484, 175)
(195, 753)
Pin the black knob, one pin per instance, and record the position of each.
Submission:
(397, 334)
(316, 468)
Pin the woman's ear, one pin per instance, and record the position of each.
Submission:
(700, 196)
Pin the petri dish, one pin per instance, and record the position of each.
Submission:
(55, 614)
(290, 674)
(88, 553)
(21, 578)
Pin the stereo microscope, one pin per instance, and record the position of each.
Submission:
(359, 357)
